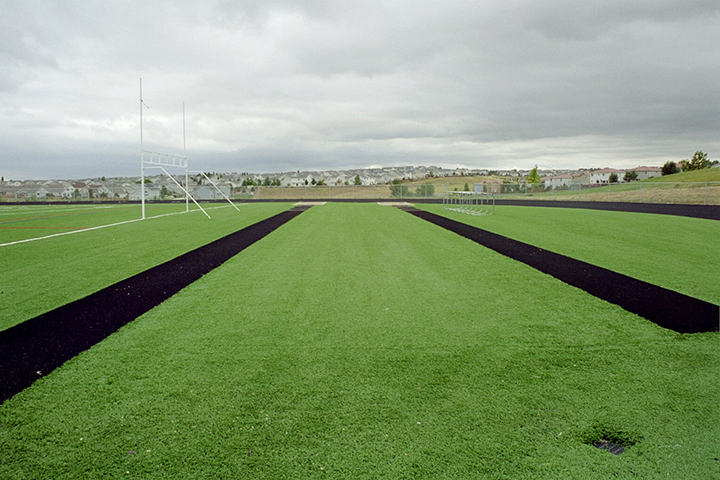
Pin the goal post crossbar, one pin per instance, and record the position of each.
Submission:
(179, 161)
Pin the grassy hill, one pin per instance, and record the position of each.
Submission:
(459, 181)
(705, 175)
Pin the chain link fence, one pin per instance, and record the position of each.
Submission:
(700, 193)
(691, 193)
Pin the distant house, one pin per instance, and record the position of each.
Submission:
(99, 190)
(208, 192)
(558, 181)
(368, 180)
(55, 190)
(490, 185)
(603, 175)
(291, 180)
(581, 178)
(644, 173)
(151, 192)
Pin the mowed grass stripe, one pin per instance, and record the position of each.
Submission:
(669, 251)
(46, 274)
(360, 342)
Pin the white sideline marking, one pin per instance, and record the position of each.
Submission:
(104, 226)
(300, 204)
(69, 233)
(24, 210)
(395, 204)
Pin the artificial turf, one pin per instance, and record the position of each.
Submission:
(667, 308)
(42, 275)
(669, 251)
(37, 346)
(360, 342)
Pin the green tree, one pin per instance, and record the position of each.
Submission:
(164, 192)
(613, 178)
(699, 161)
(357, 180)
(397, 189)
(425, 190)
(669, 168)
(630, 176)
(533, 177)
(466, 188)
(321, 181)
(267, 182)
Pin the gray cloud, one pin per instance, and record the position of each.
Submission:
(286, 85)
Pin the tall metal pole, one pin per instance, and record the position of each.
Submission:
(142, 162)
(187, 184)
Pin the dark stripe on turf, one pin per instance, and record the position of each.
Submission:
(38, 346)
(708, 212)
(667, 308)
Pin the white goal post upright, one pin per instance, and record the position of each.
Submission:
(161, 161)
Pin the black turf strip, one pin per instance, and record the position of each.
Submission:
(37, 346)
(667, 308)
(709, 212)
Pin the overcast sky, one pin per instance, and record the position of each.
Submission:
(278, 85)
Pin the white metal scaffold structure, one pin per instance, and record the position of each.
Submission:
(472, 203)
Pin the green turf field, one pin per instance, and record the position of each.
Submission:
(23, 222)
(674, 252)
(45, 274)
(358, 341)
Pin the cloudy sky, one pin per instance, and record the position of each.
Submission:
(278, 85)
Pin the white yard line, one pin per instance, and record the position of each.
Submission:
(69, 233)
(105, 226)
(41, 210)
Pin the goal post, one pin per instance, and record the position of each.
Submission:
(472, 203)
(159, 160)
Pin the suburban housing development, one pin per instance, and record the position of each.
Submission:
(160, 186)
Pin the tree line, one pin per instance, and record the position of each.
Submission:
(699, 161)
